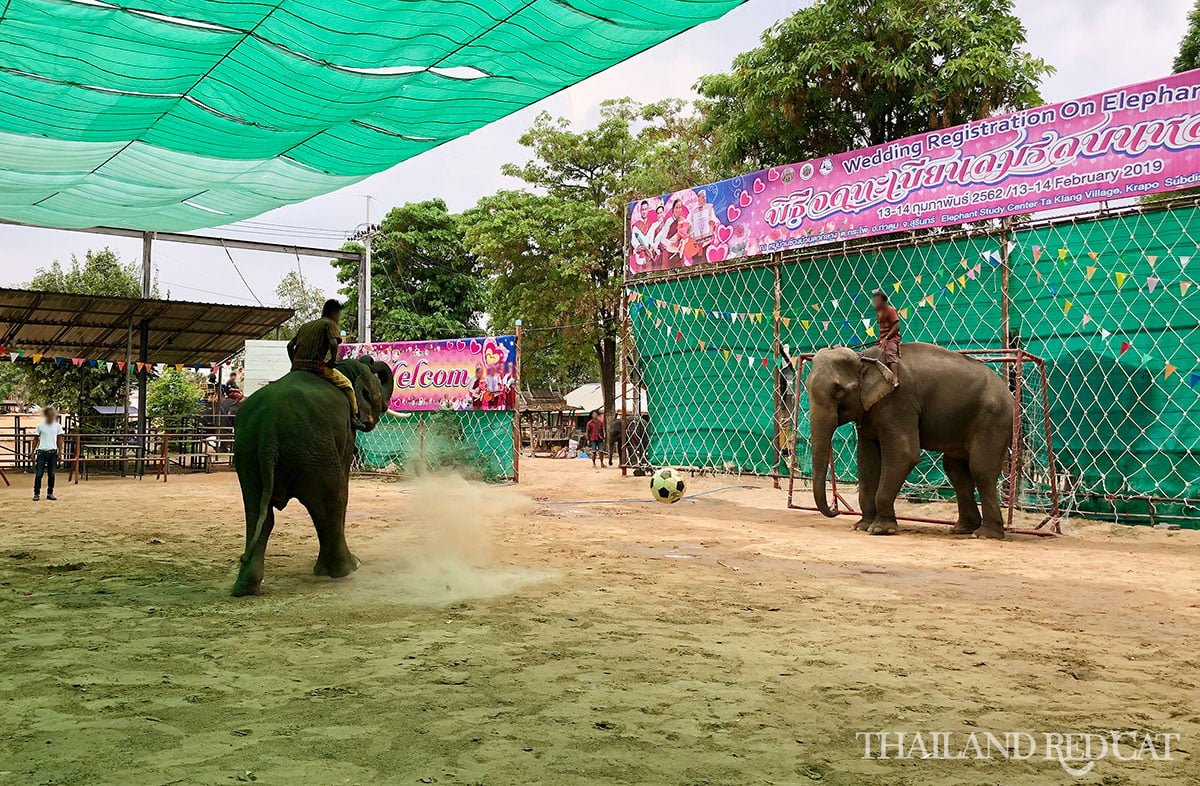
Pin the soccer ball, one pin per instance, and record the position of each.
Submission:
(667, 485)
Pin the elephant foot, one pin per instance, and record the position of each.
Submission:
(965, 528)
(863, 524)
(243, 588)
(883, 527)
(336, 569)
(992, 533)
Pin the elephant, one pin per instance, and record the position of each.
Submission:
(293, 440)
(946, 402)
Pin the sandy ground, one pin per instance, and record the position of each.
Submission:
(492, 638)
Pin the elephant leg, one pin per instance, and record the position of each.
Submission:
(868, 481)
(328, 513)
(250, 575)
(900, 451)
(986, 461)
(959, 473)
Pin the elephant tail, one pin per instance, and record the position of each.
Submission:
(264, 506)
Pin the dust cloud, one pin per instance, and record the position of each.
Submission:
(441, 551)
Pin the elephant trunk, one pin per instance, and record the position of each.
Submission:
(821, 428)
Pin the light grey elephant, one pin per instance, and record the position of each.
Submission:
(947, 402)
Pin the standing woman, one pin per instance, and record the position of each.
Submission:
(45, 455)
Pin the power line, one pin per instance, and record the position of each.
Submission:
(239, 272)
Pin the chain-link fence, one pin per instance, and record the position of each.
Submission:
(1104, 298)
(478, 444)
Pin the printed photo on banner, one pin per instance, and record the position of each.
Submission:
(1125, 143)
(456, 374)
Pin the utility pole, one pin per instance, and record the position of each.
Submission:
(365, 233)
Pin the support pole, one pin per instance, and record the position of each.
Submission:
(1005, 298)
(143, 358)
(777, 376)
(147, 245)
(517, 411)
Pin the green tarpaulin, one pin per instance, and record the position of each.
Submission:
(204, 112)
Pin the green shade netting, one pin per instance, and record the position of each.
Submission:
(209, 111)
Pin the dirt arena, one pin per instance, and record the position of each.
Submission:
(492, 638)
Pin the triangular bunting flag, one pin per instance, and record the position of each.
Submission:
(917, 279)
(121, 365)
(962, 281)
(1062, 254)
(14, 356)
(834, 303)
(1184, 286)
(787, 321)
(950, 286)
(1151, 260)
(1104, 334)
(866, 323)
(1120, 277)
(1125, 347)
(1066, 306)
(725, 354)
(1151, 283)
(871, 331)
(816, 306)
(108, 367)
(1087, 318)
(1094, 255)
(700, 345)
(58, 361)
(904, 313)
(1168, 370)
(1193, 379)
(76, 362)
(678, 337)
(739, 358)
(1091, 271)
(896, 287)
(805, 323)
(1183, 262)
(825, 325)
(37, 358)
(1037, 253)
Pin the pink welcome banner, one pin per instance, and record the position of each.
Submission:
(458, 374)
(1127, 142)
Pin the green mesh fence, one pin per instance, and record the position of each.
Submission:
(475, 444)
(1106, 301)
(192, 114)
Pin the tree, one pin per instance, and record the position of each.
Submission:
(174, 397)
(555, 257)
(298, 295)
(847, 74)
(71, 388)
(100, 273)
(1189, 48)
(425, 283)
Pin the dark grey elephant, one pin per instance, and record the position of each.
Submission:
(292, 440)
(946, 403)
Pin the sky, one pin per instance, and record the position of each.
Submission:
(1093, 44)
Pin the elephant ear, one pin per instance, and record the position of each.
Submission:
(386, 380)
(876, 382)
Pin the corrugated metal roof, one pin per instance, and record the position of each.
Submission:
(60, 324)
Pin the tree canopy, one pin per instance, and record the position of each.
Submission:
(554, 253)
(1189, 48)
(424, 282)
(306, 300)
(847, 74)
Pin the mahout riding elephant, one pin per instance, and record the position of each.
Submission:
(293, 440)
(946, 402)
